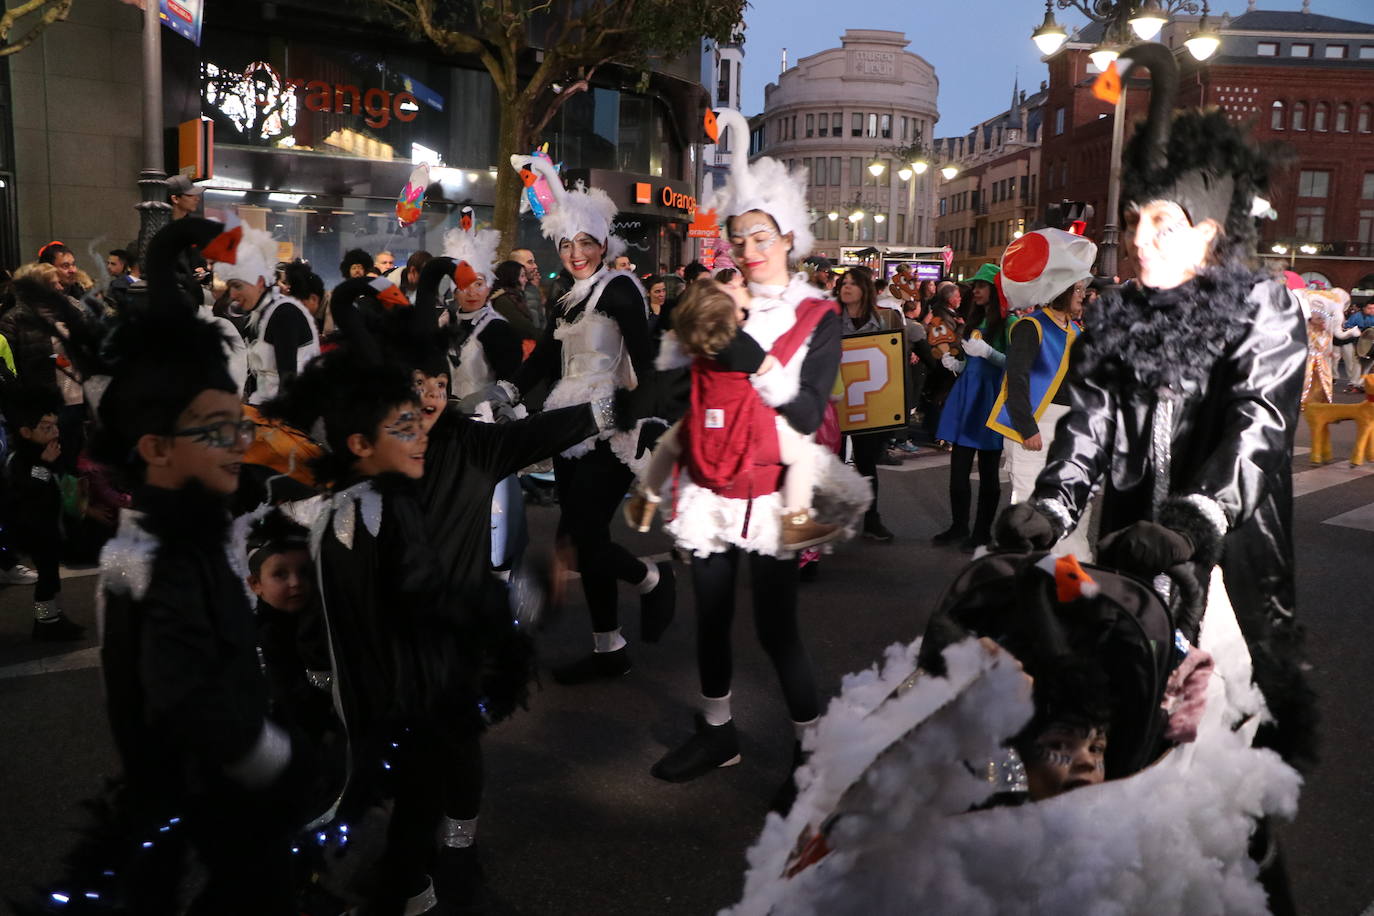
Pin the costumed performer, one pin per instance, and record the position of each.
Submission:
(1184, 396)
(1046, 270)
(596, 343)
(764, 212)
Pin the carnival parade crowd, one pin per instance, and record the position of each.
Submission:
(317, 593)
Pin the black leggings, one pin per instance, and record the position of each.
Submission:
(774, 583)
(590, 489)
(961, 490)
(867, 448)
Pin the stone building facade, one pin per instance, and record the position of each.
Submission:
(838, 111)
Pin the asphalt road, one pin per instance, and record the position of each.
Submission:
(574, 824)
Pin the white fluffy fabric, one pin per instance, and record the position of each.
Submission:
(1172, 838)
(255, 259)
(477, 247)
(574, 210)
(671, 353)
(705, 522)
(764, 185)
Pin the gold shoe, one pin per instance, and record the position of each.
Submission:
(800, 530)
(639, 511)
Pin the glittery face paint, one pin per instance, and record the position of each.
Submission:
(754, 236)
(1063, 758)
(406, 428)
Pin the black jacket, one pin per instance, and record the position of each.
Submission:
(187, 699)
(1191, 392)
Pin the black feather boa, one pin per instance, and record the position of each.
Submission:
(1142, 339)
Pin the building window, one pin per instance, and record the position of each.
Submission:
(886, 127)
(1366, 52)
(944, 203)
(823, 128)
(1314, 183)
(1064, 174)
(1267, 49)
(1367, 191)
(1343, 118)
(1335, 52)
(1366, 232)
(806, 164)
(1276, 117)
(1299, 49)
(856, 172)
(856, 124)
(1362, 125)
(810, 125)
(906, 126)
(836, 124)
(792, 131)
(872, 126)
(1319, 116)
(1310, 223)
(1300, 116)
(1058, 121)
(819, 177)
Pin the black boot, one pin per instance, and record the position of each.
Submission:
(787, 792)
(951, 535)
(711, 747)
(58, 629)
(975, 540)
(593, 667)
(657, 607)
(874, 529)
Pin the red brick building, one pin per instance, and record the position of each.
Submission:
(1299, 78)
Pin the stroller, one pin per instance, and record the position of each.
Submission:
(913, 801)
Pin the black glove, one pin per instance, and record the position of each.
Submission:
(1145, 549)
(631, 406)
(1023, 527)
(649, 435)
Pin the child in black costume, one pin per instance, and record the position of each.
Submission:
(187, 701)
(35, 503)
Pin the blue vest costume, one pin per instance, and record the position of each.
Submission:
(1047, 372)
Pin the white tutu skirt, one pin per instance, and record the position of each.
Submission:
(704, 522)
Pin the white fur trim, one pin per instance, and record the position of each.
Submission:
(126, 560)
(1211, 510)
(671, 353)
(1172, 838)
(477, 247)
(781, 384)
(255, 259)
(705, 522)
(764, 185)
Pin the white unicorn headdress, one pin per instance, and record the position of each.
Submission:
(256, 257)
(475, 246)
(764, 185)
(573, 210)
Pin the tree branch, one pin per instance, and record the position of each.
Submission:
(56, 11)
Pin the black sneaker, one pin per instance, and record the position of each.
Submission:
(657, 607)
(874, 530)
(594, 667)
(713, 746)
(951, 535)
(787, 792)
(58, 629)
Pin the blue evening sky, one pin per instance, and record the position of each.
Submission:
(976, 46)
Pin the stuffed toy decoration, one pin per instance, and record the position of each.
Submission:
(570, 211)
(538, 196)
(410, 204)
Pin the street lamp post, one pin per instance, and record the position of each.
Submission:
(1144, 18)
(153, 211)
(916, 160)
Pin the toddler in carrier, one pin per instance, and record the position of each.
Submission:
(727, 428)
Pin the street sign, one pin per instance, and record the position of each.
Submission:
(873, 374)
(183, 17)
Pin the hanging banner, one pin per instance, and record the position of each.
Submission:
(183, 17)
(873, 371)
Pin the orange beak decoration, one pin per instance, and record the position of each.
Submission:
(712, 128)
(224, 247)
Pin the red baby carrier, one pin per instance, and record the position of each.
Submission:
(729, 436)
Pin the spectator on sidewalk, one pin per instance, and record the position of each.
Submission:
(530, 284)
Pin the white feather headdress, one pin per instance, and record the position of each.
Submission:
(765, 185)
(477, 247)
(574, 210)
(256, 257)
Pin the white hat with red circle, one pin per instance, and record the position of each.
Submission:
(1040, 265)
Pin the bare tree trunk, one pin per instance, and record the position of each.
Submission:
(510, 141)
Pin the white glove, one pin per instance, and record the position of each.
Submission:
(952, 364)
(976, 346)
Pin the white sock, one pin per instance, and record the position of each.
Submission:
(609, 641)
(801, 727)
(456, 834)
(650, 580)
(716, 710)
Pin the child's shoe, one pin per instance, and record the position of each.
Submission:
(50, 624)
(640, 509)
(801, 530)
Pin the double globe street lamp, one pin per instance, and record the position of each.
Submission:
(1120, 20)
